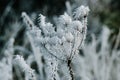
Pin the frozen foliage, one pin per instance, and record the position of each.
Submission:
(69, 33)
(61, 41)
(52, 51)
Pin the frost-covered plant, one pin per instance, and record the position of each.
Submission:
(55, 47)
(6, 62)
(60, 42)
(29, 73)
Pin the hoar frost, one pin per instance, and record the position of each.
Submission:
(61, 41)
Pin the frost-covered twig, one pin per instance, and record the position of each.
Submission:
(34, 33)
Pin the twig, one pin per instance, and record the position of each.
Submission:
(70, 69)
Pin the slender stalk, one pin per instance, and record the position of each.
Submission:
(70, 69)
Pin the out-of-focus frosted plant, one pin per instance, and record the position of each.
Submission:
(5, 69)
(95, 5)
(6, 62)
(29, 73)
(60, 42)
(98, 65)
(69, 8)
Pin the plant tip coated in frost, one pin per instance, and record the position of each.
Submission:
(81, 12)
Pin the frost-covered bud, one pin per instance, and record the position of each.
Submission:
(69, 37)
(77, 25)
(41, 20)
(60, 32)
(81, 12)
(65, 19)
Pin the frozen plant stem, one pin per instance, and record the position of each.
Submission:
(70, 69)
